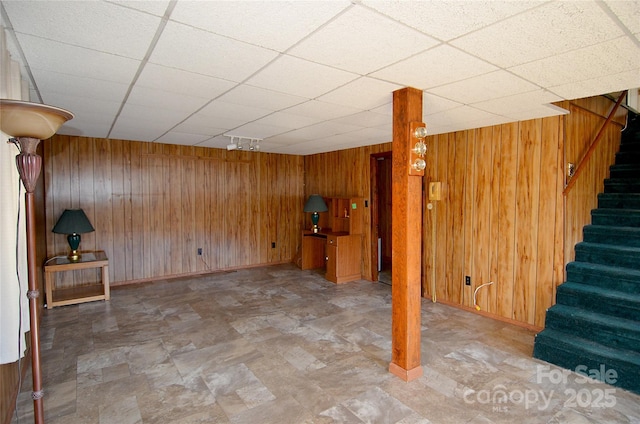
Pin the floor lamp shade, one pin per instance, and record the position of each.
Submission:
(315, 204)
(73, 222)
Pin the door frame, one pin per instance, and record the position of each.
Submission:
(375, 214)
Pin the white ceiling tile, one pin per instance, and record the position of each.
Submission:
(519, 103)
(154, 7)
(610, 57)
(553, 28)
(535, 112)
(364, 93)
(433, 104)
(321, 110)
(448, 19)
(267, 99)
(484, 87)
(344, 42)
(322, 130)
(461, 115)
(223, 110)
(87, 88)
(288, 120)
(150, 97)
(51, 56)
(299, 77)
(180, 138)
(258, 130)
(202, 124)
(85, 129)
(273, 24)
(385, 109)
(284, 140)
(94, 25)
(440, 65)
(158, 117)
(178, 81)
(202, 52)
(140, 129)
(368, 136)
(366, 119)
(628, 12)
(596, 86)
(83, 107)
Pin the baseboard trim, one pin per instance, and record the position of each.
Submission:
(492, 316)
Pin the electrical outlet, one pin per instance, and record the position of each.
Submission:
(199, 251)
(273, 244)
(467, 280)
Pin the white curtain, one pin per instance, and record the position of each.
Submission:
(14, 305)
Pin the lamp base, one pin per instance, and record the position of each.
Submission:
(315, 229)
(74, 256)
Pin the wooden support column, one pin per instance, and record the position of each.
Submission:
(406, 240)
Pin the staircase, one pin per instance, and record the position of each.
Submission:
(596, 318)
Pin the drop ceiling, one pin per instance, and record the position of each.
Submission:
(314, 76)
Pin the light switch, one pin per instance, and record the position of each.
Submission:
(435, 191)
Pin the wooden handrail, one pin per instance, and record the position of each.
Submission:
(592, 146)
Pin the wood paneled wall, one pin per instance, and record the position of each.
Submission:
(500, 218)
(153, 205)
(582, 125)
(345, 173)
(503, 217)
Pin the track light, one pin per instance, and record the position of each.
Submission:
(240, 143)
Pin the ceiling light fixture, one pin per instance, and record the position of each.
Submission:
(241, 143)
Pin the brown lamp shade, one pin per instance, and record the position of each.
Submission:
(35, 120)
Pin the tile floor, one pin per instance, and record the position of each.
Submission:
(280, 345)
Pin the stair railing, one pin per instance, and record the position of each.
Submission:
(592, 146)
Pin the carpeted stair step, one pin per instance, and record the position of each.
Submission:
(630, 137)
(630, 146)
(627, 170)
(615, 278)
(608, 254)
(600, 300)
(619, 201)
(606, 234)
(616, 217)
(627, 157)
(622, 185)
(568, 351)
(618, 333)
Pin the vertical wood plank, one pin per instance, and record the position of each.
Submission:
(507, 220)
(494, 237)
(526, 221)
(468, 214)
(481, 216)
(546, 225)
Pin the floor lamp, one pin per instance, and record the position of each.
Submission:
(28, 123)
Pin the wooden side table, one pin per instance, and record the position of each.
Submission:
(80, 294)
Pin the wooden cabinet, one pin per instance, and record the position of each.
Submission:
(344, 257)
(338, 244)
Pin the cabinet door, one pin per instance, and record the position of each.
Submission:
(332, 259)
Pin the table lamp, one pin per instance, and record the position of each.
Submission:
(73, 222)
(315, 204)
